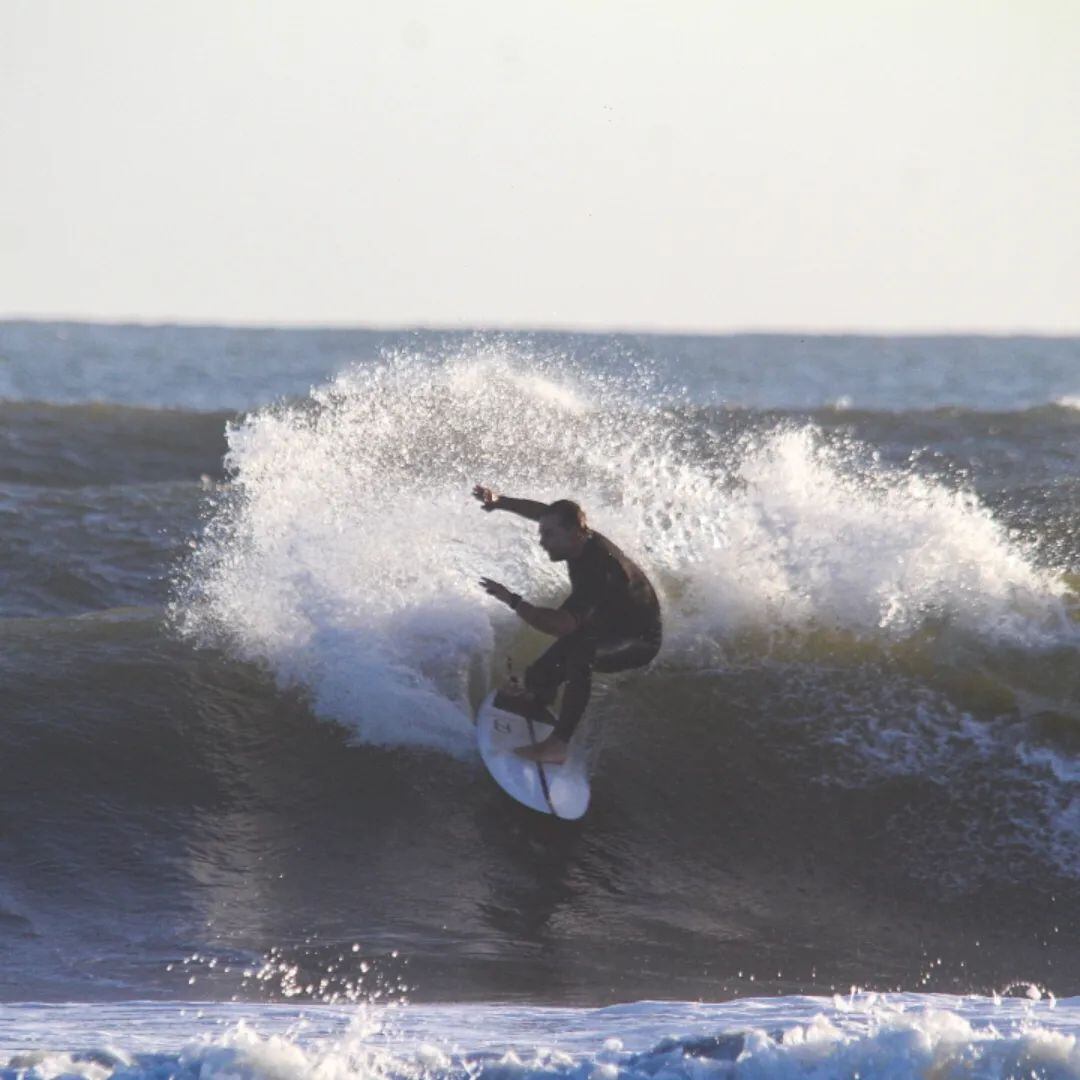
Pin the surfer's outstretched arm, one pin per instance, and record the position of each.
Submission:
(526, 508)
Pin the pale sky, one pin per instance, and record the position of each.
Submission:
(694, 165)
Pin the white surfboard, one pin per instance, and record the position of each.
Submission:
(559, 790)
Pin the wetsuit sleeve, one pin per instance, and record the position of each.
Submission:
(526, 508)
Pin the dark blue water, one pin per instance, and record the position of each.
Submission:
(242, 638)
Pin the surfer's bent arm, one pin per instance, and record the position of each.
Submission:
(555, 621)
(552, 621)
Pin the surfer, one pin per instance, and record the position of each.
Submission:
(609, 622)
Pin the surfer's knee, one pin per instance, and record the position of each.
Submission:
(541, 683)
(579, 666)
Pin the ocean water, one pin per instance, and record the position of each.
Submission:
(244, 832)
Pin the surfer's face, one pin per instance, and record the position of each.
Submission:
(559, 541)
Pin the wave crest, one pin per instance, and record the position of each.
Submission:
(346, 553)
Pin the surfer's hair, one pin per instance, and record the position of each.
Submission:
(568, 514)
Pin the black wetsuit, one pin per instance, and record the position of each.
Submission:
(618, 628)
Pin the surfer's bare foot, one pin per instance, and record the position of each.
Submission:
(550, 751)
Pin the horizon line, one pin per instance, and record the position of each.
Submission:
(198, 323)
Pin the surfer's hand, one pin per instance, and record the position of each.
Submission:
(493, 588)
(487, 498)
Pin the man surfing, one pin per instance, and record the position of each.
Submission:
(609, 622)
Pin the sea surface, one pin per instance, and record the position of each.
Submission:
(244, 831)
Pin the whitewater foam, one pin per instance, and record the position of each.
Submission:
(346, 553)
(860, 1035)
